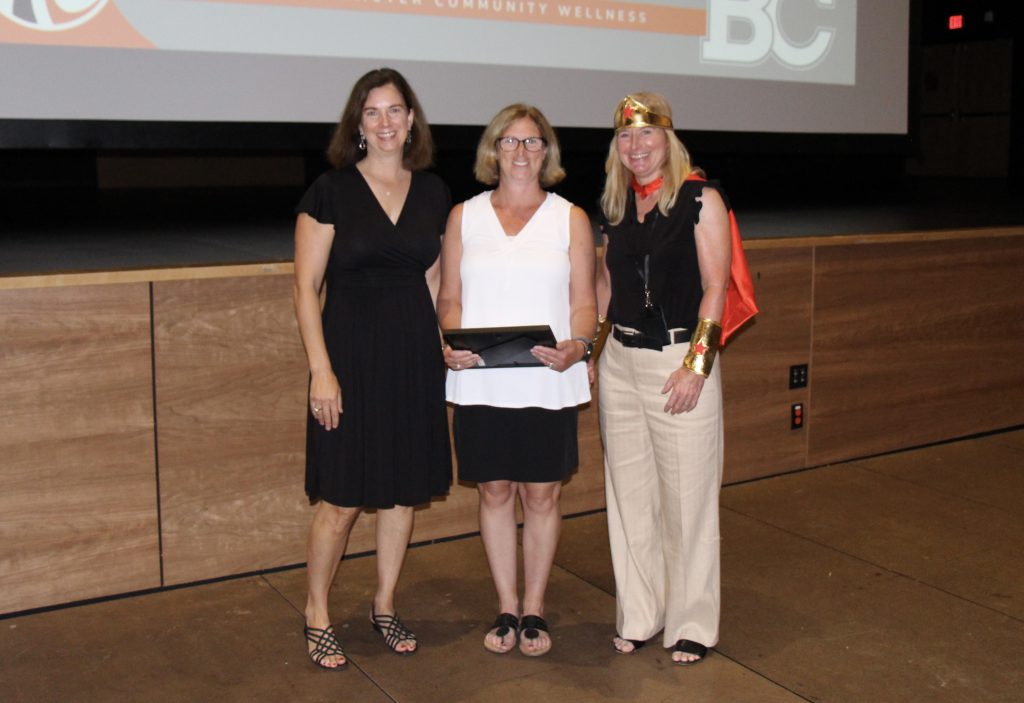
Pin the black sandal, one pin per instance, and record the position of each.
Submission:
(637, 644)
(529, 629)
(504, 623)
(325, 644)
(689, 647)
(393, 632)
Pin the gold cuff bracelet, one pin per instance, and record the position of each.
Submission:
(703, 347)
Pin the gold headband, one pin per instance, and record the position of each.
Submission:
(633, 113)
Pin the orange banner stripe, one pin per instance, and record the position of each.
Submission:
(604, 14)
(109, 28)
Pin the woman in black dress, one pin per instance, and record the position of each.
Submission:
(377, 432)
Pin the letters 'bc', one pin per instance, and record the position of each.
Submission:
(764, 36)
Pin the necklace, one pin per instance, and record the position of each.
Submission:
(382, 185)
(643, 190)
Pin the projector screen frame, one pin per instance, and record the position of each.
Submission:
(272, 133)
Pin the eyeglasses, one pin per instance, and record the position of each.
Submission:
(530, 143)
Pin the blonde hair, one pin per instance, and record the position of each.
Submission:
(486, 167)
(618, 178)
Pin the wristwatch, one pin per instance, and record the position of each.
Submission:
(588, 347)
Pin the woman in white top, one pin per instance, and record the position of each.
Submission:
(517, 255)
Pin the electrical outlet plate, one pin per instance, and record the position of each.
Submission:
(796, 416)
(798, 376)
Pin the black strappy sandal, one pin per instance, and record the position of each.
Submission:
(689, 647)
(393, 632)
(505, 623)
(529, 628)
(637, 644)
(325, 644)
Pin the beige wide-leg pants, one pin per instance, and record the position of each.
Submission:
(662, 479)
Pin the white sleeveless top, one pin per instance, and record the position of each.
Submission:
(520, 280)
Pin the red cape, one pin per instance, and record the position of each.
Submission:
(740, 306)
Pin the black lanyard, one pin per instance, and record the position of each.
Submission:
(645, 276)
(645, 273)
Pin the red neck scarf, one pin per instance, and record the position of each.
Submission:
(643, 190)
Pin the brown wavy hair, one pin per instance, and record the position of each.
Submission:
(343, 149)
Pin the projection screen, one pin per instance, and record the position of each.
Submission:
(787, 66)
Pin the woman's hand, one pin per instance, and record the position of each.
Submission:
(564, 355)
(684, 387)
(458, 359)
(325, 399)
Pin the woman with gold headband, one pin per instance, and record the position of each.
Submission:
(662, 283)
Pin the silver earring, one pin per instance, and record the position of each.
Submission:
(362, 142)
(408, 138)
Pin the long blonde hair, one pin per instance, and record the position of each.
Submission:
(618, 177)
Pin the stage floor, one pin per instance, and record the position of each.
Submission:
(894, 578)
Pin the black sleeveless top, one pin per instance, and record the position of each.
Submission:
(674, 270)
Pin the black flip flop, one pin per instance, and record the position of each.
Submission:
(529, 628)
(505, 623)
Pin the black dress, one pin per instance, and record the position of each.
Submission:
(391, 446)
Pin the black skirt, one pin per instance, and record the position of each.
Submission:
(531, 445)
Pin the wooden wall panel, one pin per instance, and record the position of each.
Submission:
(457, 513)
(585, 490)
(230, 395)
(910, 339)
(231, 380)
(755, 368)
(915, 343)
(78, 515)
